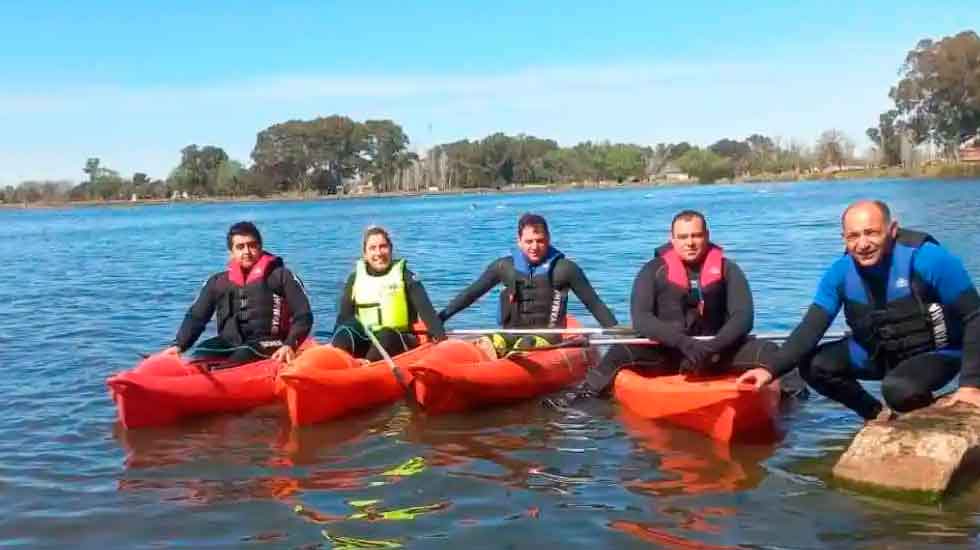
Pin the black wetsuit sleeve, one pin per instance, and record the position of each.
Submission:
(345, 308)
(198, 315)
(801, 341)
(643, 304)
(418, 300)
(968, 307)
(569, 273)
(472, 293)
(301, 314)
(740, 309)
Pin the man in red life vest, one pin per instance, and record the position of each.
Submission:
(688, 290)
(261, 307)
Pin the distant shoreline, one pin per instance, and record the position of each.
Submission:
(942, 172)
(294, 197)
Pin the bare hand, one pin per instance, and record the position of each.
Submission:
(755, 378)
(284, 354)
(172, 350)
(962, 395)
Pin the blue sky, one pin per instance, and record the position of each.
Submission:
(134, 82)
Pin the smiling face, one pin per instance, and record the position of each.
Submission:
(868, 233)
(377, 252)
(534, 241)
(689, 238)
(245, 250)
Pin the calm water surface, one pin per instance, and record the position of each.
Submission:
(86, 290)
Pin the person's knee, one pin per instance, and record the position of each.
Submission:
(390, 339)
(819, 367)
(753, 354)
(767, 352)
(616, 356)
(904, 395)
(599, 380)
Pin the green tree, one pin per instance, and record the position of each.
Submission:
(528, 154)
(939, 91)
(386, 149)
(228, 178)
(834, 148)
(625, 162)
(106, 184)
(92, 169)
(140, 179)
(738, 152)
(705, 165)
(198, 169)
(887, 137)
(298, 153)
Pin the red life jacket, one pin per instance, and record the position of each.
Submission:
(706, 316)
(250, 310)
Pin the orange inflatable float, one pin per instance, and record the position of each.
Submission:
(327, 382)
(163, 389)
(458, 376)
(714, 406)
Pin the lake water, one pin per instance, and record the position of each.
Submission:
(88, 289)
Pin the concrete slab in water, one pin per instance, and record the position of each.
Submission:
(920, 451)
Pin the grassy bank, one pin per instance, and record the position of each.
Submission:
(934, 171)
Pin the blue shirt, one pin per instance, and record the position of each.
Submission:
(934, 265)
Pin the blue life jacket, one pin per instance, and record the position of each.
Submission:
(530, 299)
(911, 320)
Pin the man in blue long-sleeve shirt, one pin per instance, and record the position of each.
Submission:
(914, 315)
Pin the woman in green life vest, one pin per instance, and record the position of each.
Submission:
(382, 296)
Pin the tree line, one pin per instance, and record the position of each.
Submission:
(937, 99)
(337, 155)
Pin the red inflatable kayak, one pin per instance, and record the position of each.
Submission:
(163, 389)
(713, 406)
(327, 383)
(458, 376)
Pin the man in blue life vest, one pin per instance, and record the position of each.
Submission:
(914, 316)
(261, 307)
(694, 304)
(537, 278)
(382, 295)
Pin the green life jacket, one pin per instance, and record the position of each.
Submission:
(381, 300)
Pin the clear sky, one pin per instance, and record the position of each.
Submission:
(133, 82)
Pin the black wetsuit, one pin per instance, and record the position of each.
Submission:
(834, 368)
(731, 347)
(349, 335)
(244, 336)
(565, 275)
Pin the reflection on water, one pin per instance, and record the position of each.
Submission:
(661, 537)
(690, 463)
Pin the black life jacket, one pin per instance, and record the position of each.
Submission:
(249, 309)
(530, 299)
(910, 321)
(703, 317)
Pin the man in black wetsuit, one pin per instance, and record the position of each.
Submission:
(688, 290)
(537, 278)
(262, 309)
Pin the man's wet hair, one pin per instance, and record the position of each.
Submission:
(244, 229)
(687, 215)
(533, 220)
(882, 207)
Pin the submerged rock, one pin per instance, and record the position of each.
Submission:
(920, 452)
